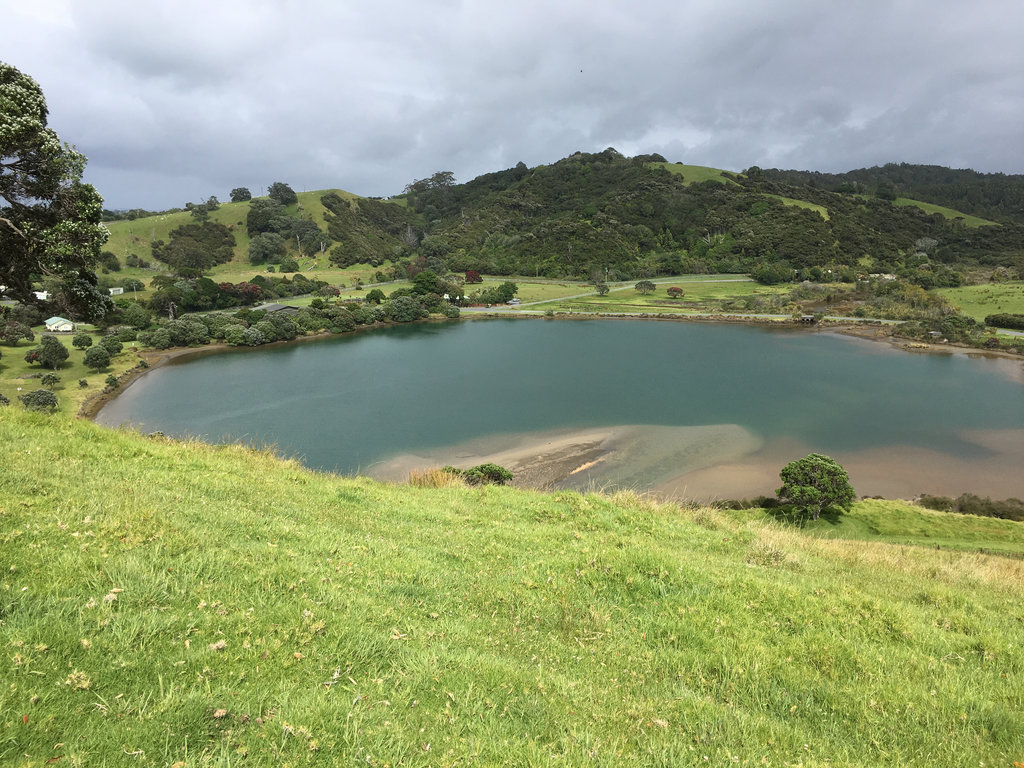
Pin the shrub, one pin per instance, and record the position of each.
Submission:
(1005, 321)
(81, 340)
(111, 381)
(491, 474)
(112, 344)
(97, 358)
(39, 400)
(82, 383)
(50, 380)
(4, 400)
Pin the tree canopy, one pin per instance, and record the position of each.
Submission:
(815, 484)
(49, 220)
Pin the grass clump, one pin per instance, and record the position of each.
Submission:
(184, 603)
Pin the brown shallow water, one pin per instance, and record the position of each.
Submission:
(719, 462)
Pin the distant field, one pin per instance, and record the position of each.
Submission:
(899, 522)
(18, 376)
(949, 213)
(977, 301)
(694, 174)
(803, 204)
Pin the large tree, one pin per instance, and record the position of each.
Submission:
(49, 220)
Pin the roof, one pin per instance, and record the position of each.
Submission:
(54, 320)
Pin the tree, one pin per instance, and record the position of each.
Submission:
(814, 484)
(282, 193)
(240, 195)
(50, 353)
(50, 380)
(81, 340)
(472, 276)
(112, 344)
(601, 288)
(645, 287)
(376, 296)
(97, 358)
(50, 222)
(13, 332)
(39, 400)
(266, 247)
(675, 292)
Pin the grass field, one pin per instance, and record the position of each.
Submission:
(977, 301)
(699, 295)
(180, 604)
(694, 174)
(896, 522)
(802, 204)
(18, 377)
(949, 213)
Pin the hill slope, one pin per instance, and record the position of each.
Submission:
(187, 603)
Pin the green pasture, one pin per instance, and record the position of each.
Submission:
(168, 603)
(694, 174)
(18, 376)
(802, 204)
(899, 522)
(949, 213)
(977, 301)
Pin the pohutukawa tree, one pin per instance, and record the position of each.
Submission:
(49, 220)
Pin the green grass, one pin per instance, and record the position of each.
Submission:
(166, 603)
(977, 301)
(18, 377)
(700, 296)
(694, 174)
(802, 204)
(949, 213)
(897, 522)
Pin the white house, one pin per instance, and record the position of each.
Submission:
(59, 325)
(42, 295)
(116, 291)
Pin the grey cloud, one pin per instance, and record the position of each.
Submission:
(174, 102)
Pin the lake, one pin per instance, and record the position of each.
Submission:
(687, 409)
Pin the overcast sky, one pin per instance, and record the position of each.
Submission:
(174, 102)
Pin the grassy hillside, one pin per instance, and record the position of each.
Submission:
(694, 174)
(977, 301)
(167, 603)
(949, 213)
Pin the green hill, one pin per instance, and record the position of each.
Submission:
(181, 604)
(625, 219)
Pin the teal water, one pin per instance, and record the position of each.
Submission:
(344, 403)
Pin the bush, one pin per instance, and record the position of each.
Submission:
(814, 484)
(81, 340)
(50, 380)
(97, 358)
(112, 344)
(111, 381)
(485, 474)
(1015, 322)
(4, 400)
(39, 400)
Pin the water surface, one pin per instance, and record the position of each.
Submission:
(348, 403)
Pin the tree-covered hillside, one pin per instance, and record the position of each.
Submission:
(996, 196)
(607, 216)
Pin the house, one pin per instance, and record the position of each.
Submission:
(42, 295)
(284, 309)
(116, 291)
(59, 325)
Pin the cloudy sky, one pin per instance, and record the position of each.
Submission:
(174, 102)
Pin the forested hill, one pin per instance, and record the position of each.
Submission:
(995, 196)
(609, 216)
